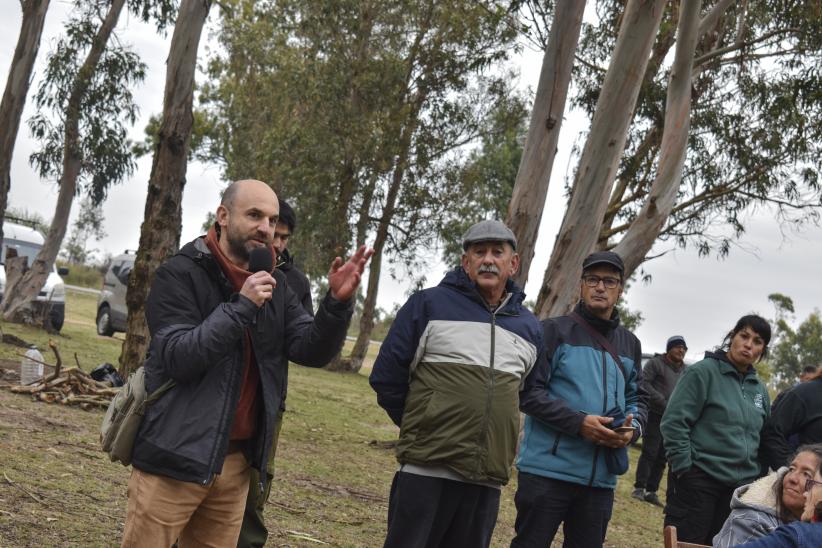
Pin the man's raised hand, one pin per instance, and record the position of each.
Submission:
(343, 279)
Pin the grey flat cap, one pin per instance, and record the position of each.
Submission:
(488, 231)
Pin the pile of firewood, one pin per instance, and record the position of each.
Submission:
(70, 386)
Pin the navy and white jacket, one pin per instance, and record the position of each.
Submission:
(450, 374)
(579, 378)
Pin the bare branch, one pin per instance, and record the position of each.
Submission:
(740, 45)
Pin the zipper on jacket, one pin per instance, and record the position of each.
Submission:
(490, 398)
(223, 419)
(556, 443)
(604, 410)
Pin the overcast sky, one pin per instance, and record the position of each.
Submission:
(699, 298)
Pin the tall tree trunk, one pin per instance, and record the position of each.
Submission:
(534, 175)
(33, 280)
(639, 239)
(17, 88)
(600, 157)
(162, 221)
(349, 174)
(355, 360)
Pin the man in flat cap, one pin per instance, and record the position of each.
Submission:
(588, 406)
(450, 374)
(660, 375)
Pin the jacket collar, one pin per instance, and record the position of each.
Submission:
(727, 368)
(201, 255)
(458, 280)
(606, 327)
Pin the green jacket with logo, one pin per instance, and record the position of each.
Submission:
(714, 421)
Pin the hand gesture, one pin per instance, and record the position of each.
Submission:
(343, 279)
(258, 287)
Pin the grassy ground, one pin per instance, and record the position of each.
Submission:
(332, 479)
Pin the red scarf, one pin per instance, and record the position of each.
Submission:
(245, 418)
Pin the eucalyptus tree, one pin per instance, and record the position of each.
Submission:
(84, 102)
(534, 173)
(162, 221)
(352, 110)
(750, 132)
(17, 88)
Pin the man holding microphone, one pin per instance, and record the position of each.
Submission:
(223, 327)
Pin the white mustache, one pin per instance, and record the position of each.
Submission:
(488, 268)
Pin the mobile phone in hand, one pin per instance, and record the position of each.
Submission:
(623, 429)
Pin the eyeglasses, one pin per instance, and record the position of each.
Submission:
(593, 281)
(809, 483)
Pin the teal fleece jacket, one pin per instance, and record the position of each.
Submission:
(714, 421)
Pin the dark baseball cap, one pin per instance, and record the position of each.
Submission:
(488, 231)
(604, 257)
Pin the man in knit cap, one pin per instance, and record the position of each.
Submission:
(660, 376)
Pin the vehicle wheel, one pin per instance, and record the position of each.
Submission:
(104, 327)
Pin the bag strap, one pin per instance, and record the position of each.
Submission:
(605, 343)
(165, 387)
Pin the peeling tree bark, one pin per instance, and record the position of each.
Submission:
(17, 88)
(600, 157)
(34, 279)
(162, 222)
(534, 174)
(643, 232)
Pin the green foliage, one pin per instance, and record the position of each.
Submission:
(200, 132)
(480, 185)
(106, 103)
(782, 303)
(89, 224)
(415, 88)
(754, 140)
(796, 348)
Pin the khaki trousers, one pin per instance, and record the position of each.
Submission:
(162, 510)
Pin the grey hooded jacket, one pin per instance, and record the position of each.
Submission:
(753, 512)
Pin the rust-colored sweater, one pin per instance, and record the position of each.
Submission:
(245, 419)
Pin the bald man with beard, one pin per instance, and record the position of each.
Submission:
(224, 335)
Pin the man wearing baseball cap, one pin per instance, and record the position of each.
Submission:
(450, 375)
(588, 406)
(660, 375)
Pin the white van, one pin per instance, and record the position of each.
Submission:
(28, 242)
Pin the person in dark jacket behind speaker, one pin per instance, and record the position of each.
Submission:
(659, 377)
(297, 280)
(225, 336)
(254, 533)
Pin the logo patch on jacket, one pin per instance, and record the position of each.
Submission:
(759, 401)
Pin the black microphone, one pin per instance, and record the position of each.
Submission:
(259, 259)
